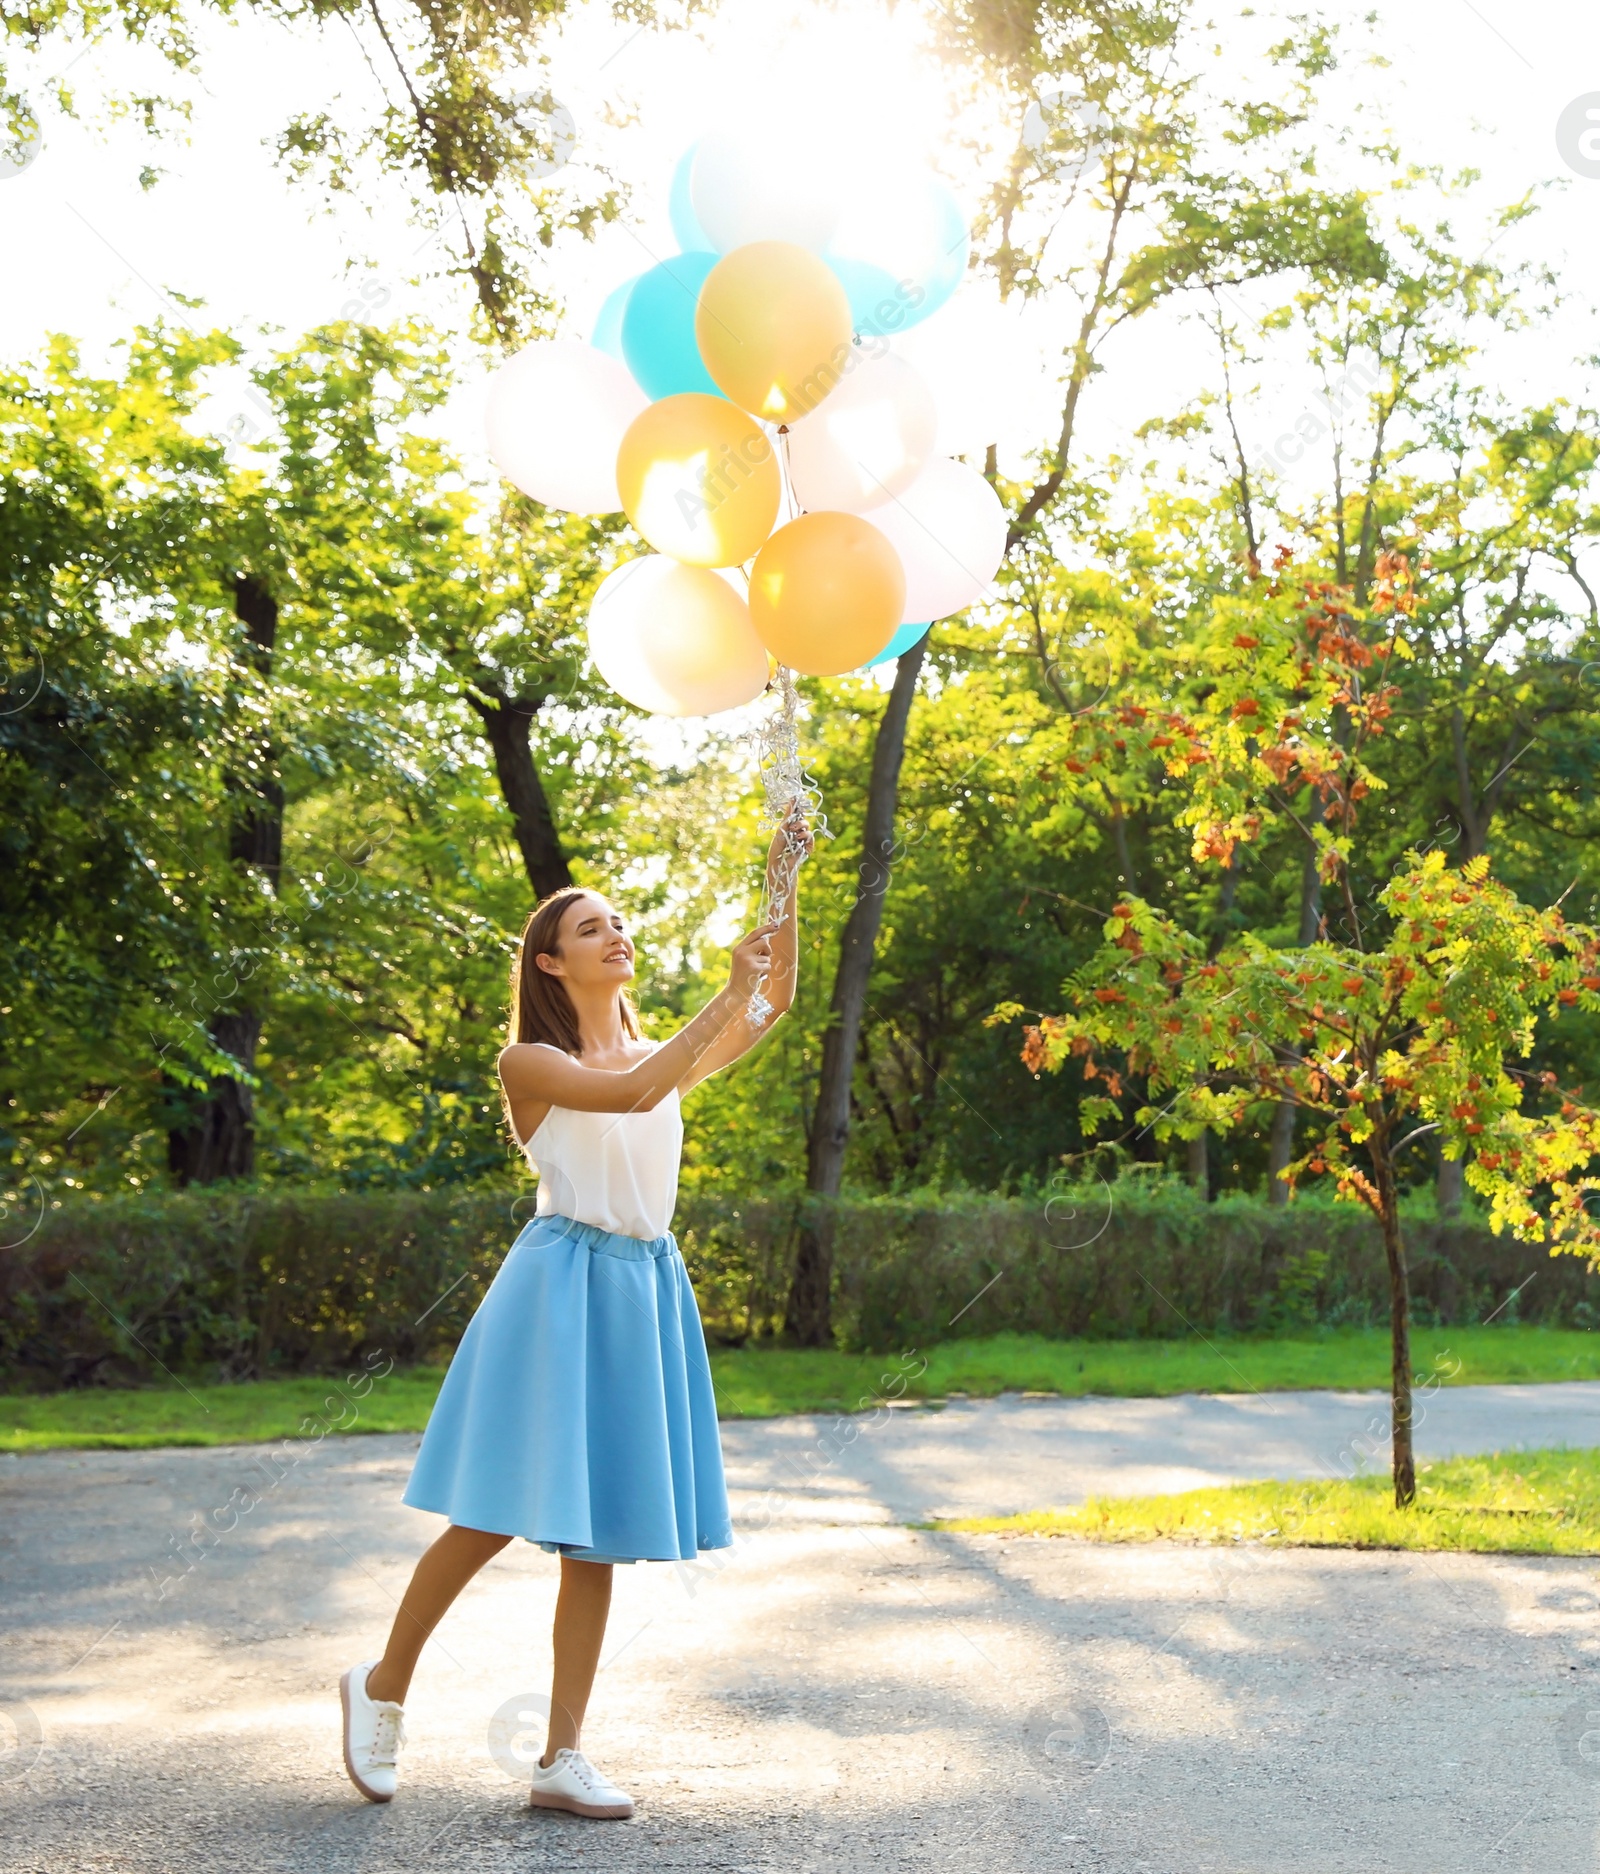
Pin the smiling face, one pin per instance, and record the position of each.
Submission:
(593, 945)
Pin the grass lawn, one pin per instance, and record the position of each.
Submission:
(766, 1382)
(1521, 1503)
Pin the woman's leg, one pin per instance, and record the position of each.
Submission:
(440, 1576)
(581, 1609)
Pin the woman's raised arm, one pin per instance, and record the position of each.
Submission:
(790, 845)
(533, 1072)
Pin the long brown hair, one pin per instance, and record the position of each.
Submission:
(541, 1009)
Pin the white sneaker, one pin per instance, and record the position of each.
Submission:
(574, 1784)
(374, 1730)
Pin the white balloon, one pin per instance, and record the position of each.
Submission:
(950, 532)
(901, 219)
(674, 639)
(555, 415)
(760, 185)
(992, 371)
(867, 440)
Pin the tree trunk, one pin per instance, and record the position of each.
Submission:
(809, 1318)
(1452, 1185)
(1199, 1169)
(1405, 1463)
(1280, 1150)
(215, 1137)
(1280, 1143)
(255, 837)
(508, 723)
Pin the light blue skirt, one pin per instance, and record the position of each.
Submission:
(578, 1410)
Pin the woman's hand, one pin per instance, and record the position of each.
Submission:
(794, 836)
(752, 960)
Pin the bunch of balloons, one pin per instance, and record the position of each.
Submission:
(742, 403)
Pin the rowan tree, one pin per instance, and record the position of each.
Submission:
(1416, 1008)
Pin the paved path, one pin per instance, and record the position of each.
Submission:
(996, 1456)
(844, 1692)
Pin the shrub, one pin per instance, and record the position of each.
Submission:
(1152, 1260)
(241, 1283)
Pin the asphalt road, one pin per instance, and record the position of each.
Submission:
(842, 1691)
(997, 1456)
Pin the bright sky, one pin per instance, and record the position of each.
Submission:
(1471, 82)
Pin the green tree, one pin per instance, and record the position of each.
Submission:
(380, 559)
(1496, 500)
(116, 731)
(1171, 191)
(214, 657)
(1417, 1011)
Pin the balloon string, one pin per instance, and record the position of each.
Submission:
(791, 500)
(791, 800)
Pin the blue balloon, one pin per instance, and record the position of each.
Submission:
(658, 340)
(691, 237)
(607, 334)
(880, 304)
(955, 250)
(899, 644)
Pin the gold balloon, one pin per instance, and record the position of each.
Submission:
(773, 327)
(699, 480)
(826, 593)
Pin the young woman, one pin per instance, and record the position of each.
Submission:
(578, 1411)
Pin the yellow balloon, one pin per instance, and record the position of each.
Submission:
(773, 327)
(826, 593)
(699, 480)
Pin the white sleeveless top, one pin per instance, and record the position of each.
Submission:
(618, 1171)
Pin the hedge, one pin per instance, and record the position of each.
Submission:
(237, 1283)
